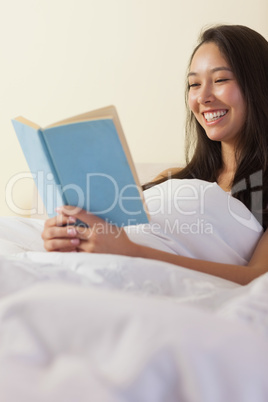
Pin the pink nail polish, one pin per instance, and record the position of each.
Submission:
(75, 242)
(58, 209)
(71, 231)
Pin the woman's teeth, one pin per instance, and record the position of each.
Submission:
(214, 116)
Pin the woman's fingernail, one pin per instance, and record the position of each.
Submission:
(71, 231)
(75, 242)
(71, 219)
(58, 209)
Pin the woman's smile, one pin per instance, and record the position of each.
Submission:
(214, 95)
(214, 116)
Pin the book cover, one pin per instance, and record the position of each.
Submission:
(84, 161)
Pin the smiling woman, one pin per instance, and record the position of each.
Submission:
(215, 97)
(228, 96)
(231, 147)
(227, 124)
(212, 215)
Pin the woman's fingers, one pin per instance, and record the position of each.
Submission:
(64, 245)
(51, 232)
(99, 237)
(60, 234)
(60, 220)
(78, 213)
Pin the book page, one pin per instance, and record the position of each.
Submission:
(107, 112)
(103, 113)
(27, 122)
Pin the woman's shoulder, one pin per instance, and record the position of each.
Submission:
(167, 173)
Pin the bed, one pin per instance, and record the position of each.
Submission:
(80, 327)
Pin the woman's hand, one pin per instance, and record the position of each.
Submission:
(60, 234)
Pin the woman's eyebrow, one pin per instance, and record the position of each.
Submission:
(213, 70)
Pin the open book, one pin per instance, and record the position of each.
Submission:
(84, 161)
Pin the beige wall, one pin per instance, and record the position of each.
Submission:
(64, 57)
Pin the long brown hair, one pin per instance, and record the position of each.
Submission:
(246, 51)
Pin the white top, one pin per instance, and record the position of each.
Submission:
(195, 218)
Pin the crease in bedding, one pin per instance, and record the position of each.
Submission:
(124, 329)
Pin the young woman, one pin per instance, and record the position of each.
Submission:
(227, 153)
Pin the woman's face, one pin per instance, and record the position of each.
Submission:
(214, 95)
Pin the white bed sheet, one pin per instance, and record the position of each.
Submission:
(80, 327)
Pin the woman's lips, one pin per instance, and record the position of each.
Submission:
(212, 116)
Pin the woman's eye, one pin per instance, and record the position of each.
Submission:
(222, 80)
(193, 85)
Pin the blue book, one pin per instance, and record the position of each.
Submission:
(84, 161)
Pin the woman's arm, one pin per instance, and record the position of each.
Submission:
(104, 238)
(240, 274)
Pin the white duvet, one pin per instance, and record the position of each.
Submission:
(76, 327)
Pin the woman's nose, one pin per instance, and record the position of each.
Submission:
(205, 95)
